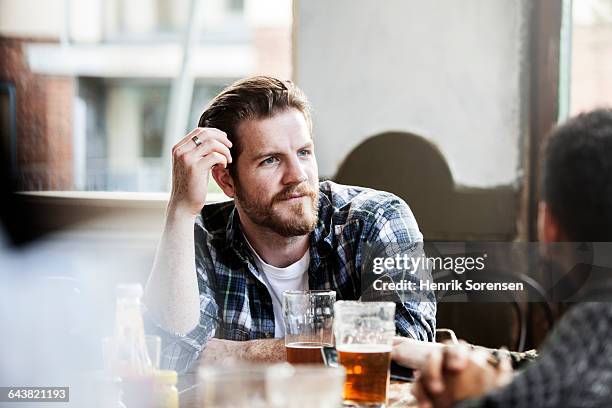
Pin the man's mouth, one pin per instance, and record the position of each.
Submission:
(295, 197)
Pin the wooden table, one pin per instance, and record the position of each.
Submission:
(400, 395)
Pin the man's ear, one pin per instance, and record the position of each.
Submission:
(224, 180)
(549, 229)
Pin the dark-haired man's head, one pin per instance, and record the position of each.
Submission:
(577, 180)
(273, 176)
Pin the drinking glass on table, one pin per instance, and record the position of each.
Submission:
(305, 386)
(270, 386)
(309, 317)
(364, 336)
(233, 386)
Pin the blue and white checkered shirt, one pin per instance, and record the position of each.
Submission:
(236, 305)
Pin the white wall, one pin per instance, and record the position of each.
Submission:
(46, 19)
(268, 13)
(86, 25)
(32, 18)
(447, 70)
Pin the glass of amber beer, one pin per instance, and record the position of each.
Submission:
(364, 335)
(309, 318)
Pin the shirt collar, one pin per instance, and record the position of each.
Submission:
(234, 237)
(322, 238)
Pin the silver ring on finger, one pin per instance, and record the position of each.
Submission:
(196, 140)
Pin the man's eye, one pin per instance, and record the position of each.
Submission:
(304, 152)
(270, 160)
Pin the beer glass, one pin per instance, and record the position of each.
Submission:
(233, 386)
(270, 386)
(305, 386)
(309, 317)
(364, 335)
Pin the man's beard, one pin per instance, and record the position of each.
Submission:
(262, 212)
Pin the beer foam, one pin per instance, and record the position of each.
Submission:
(305, 345)
(364, 348)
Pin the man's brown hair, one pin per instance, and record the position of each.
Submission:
(257, 97)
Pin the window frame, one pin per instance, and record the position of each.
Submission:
(7, 88)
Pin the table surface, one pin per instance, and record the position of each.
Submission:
(400, 395)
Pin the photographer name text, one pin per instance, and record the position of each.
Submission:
(454, 285)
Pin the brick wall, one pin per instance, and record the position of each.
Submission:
(44, 120)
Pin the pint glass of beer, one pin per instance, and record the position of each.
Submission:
(309, 318)
(364, 335)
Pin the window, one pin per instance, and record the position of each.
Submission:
(125, 132)
(236, 6)
(8, 131)
(164, 20)
(591, 55)
(93, 108)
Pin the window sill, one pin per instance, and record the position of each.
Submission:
(101, 212)
(109, 198)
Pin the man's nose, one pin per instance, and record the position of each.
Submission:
(294, 172)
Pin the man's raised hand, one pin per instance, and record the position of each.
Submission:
(191, 164)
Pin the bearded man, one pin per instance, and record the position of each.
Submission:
(215, 293)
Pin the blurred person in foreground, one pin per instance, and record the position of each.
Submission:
(575, 364)
(221, 268)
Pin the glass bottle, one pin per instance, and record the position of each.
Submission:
(131, 357)
(165, 393)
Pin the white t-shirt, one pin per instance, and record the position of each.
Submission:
(292, 277)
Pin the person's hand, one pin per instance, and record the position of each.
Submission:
(191, 166)
(412, 353)
(456, 373)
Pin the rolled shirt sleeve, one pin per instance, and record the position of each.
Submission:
(395, 231)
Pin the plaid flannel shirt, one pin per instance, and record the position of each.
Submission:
(236, 305)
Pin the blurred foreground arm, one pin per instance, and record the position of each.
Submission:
(456, 373)
(219, 351)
